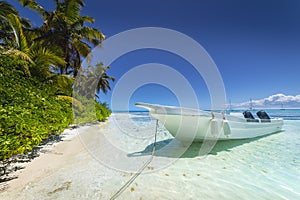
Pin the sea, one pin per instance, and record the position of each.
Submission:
(120, 161)
(261, 168)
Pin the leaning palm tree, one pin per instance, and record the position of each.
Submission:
(65, 27)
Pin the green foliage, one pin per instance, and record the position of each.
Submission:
(67, 30)
(30, 110)
(90, 111)
(35, 101)
(102, 111)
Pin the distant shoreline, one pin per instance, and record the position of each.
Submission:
(240, 109)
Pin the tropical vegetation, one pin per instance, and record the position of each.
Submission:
(38, 68)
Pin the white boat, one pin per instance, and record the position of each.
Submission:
(188, 125)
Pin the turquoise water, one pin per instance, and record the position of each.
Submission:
(261, 168)
(287, 114)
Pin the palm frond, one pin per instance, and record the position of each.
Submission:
(25, 22)
(34, 6)
(72, 10)
(22, 56)
(91, 34)
(81, 47)
(79, 23)
(44, 57)
(16, 25)
(6, 9)
(102, 78)
(64, 28)
(7, 37)
(88, 19)
(19, 54)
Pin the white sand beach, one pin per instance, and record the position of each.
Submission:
(98, 160)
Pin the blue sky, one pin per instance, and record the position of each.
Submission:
(255, 44)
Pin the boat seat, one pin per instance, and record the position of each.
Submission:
(249, 117)
(263, 116)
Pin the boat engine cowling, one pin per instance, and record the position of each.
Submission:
(248, 115)
(263, 116)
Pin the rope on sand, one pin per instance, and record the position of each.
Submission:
(126, 185)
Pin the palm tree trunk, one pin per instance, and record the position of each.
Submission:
(67, 57)
(77, 65)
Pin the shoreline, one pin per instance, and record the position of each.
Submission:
(73, 169)
(25, 168)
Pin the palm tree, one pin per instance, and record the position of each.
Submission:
(40, 57)
(7, 34)
(93, 80)
(65, 28)
(103, 82)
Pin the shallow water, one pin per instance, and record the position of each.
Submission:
(261, 168)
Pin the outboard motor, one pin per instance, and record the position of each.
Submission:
(248, 115)
(263, 116)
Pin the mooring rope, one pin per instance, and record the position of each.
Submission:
(121, 190)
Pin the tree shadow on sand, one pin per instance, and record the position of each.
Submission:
(13, 164)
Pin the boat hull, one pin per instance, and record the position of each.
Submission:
(189, 126)
(199, 128)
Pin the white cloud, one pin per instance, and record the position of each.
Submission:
(274, 101)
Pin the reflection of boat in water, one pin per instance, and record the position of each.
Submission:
(187, 124)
